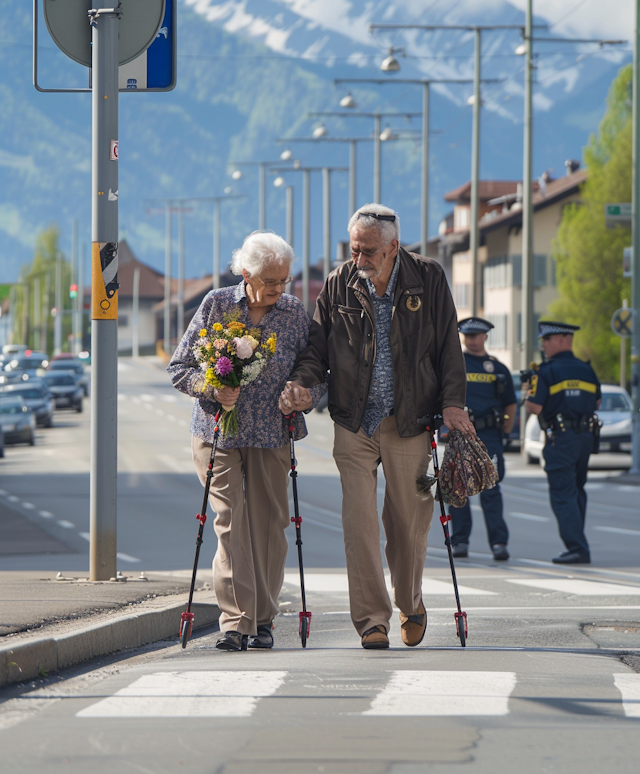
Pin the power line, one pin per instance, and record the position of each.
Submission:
(568, 13)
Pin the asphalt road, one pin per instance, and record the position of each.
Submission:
(549, 682)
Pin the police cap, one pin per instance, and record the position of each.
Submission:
(547, 328)
(473, 325)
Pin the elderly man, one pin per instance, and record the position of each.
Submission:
(385, 328)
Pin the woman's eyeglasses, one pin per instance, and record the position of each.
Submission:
(273, 284)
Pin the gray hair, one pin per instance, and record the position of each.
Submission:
(387, 229)
(259, 250)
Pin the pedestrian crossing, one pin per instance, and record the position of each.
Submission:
(336, 582)
(408, 693)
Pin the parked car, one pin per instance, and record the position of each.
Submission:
(72, 364)
(24, 366)
(615, 435)
(67, 393)
(1, 441)
(37, 397)
(17, 420)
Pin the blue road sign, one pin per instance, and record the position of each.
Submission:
(155, 69)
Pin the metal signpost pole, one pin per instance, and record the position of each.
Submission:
(424, 215)
(37, 311)
(262, 181)
(57, 323)
(181, 266)
(635, 260)
(527, 208)
(306, 236)
(475, 178)
(353, 149)
(75, 302)
(377, 160)
(167, 279)
(135, 337)
(216, 244)
(326, 217)
(289, 199)
(104, 295)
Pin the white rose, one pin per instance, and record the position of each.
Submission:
(244, 349)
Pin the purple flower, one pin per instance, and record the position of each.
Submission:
(223, 367)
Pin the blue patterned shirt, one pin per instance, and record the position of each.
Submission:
(260, 420)
(380, 401)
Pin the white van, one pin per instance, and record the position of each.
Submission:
(13, 349)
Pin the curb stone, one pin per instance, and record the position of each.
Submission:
(31, 658)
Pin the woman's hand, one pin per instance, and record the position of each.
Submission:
(295, 397)
(226, 396)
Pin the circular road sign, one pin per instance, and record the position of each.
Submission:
(622, 323)
(68, 25)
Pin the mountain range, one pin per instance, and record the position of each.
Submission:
(249, 72)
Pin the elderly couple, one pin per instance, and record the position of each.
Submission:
(385, 330)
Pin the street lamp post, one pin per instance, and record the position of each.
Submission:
(278, 183)
(377, 161)
(262, 185)
(306, 219)
(353, 141)
(426, 83)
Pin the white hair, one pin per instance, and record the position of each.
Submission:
(387, 229)
(259, 250)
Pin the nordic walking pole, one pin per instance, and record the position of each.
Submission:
(304, 626)
(186, 620)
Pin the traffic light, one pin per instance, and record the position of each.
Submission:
(73, 291)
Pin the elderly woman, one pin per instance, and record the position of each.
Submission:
(250, 474)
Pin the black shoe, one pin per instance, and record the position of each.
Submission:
(460, 551)
(263, 639)
(572, 557)
(500, 553)
(232, 641)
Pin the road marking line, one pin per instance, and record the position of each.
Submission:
(528, 516)
(85, 535)
(629, 687)
(188, 694)
(580, 587)
(45, 514)
(128, 558)
(31, 506)
(66, 524)
(3, 492)
(619, 530)
(315, 523)
(13, 499)
(321, 511)
(180, 466)
(411, 692)
(332, 582)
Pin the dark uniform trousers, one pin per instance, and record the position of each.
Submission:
(490, 500)
(566, 463)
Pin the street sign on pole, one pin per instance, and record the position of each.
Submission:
(155, 69)
(627, 262)
(618, 214)
(622, 323)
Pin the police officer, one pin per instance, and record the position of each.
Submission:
(491, 401)
(565, 395)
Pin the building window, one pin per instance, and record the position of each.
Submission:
(123, 320)
(462, 217)
(496, 272)
(539, 270)
(554, 280)
(461, 294)
(498, 334)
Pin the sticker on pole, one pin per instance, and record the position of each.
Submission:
(113, 154)
(104, 281)
(622, 323)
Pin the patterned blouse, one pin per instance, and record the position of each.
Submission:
(260, 420)
(380, 402)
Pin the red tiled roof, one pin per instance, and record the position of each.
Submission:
(487, 189)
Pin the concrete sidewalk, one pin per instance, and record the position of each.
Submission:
(49, 622)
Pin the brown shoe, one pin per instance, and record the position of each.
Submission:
(413, 627)
(375, 638)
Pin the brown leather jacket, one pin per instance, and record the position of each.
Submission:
(428, 366)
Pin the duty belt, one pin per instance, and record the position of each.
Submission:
(492, 421)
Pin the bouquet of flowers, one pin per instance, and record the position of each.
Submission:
(232, 355)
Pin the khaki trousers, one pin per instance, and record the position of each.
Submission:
(406, 519)
(249, 496)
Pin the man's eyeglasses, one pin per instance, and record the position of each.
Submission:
(273, 284)
(390, 218)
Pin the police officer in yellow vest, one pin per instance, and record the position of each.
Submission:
(565, 395)
(491, 401)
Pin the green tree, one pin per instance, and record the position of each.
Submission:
(34, 325)
(588, 255)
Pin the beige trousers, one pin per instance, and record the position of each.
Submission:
(406, 519)
(249, 496)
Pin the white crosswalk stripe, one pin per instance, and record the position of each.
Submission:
(337, 582)
(585, 588)
(629, 687)
(445, 693)
(188, 694)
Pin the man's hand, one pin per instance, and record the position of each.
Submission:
(226, 396)
(295, 397)
(458, 419)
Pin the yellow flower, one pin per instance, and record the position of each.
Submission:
(217, 327)
(236, 326)
(212, 379)
(203, 333)
(270, 343)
